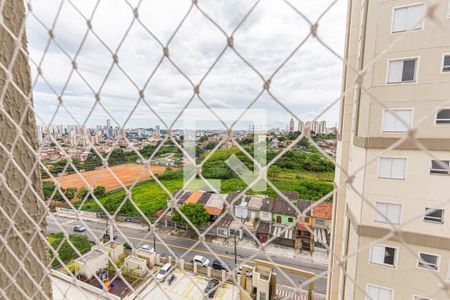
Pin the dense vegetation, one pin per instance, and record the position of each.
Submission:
(65, 251)
(50, 192)
(116, 157)
(307, 173)
(194, 212)
(295, 159)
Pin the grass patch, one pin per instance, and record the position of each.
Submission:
(66, 252)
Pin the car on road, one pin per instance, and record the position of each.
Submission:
(201, 260)
(164, 272)
(212, 287)
(79, 228)
(218, 265)
(147, 247)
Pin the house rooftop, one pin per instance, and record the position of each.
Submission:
(194, 197)
(112, 244)
(255, 202)
(263, 227)
(323, 210)
(93, 254)
(225, 222)
(283, 207)
(181, 196)
(214, 206)
(304, 205)
(204, 198)
(267, 204)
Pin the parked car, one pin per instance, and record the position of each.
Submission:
(146, 248)
(211, 288)
(164, 272)
(201, 260)
(218, 265)
(79, 228)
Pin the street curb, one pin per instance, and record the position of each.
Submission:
(142, 228)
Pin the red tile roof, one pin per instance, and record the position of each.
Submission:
(193, 198)
(323, 210)
(214, 211)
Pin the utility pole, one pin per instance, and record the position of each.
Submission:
(154, 240)
(234, 232)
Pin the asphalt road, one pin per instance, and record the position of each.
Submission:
(181, 247)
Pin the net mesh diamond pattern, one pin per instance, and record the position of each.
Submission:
(115, 59)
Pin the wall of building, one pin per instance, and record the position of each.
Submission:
(285, 219)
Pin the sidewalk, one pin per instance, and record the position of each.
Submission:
(273, 249)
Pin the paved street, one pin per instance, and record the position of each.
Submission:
(180, 247)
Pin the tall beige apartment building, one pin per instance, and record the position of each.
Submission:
(406, 59)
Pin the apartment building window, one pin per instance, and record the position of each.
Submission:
(383, 255)
(392, 167)
(446, 63)
(434, 215)
(440, 167)
(378, 293)
(396, 120)
(402, 70)
(387, 210)
(443, 116)
(428, 261)
(408, 18)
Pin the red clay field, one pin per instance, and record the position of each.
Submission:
(127, 173)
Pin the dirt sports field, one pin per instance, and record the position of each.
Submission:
(126, 173)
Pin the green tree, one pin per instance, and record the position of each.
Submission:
(99, 191)
(82, 193)
(195, 212)
(70, 192)
(49, 189)
(65, 251)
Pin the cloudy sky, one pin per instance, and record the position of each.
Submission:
(306, 84)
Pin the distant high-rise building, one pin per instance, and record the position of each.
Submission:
(322, 127)
(301, 125)
(315, 126)
(157, 130)
(109, 129)
(291, 125)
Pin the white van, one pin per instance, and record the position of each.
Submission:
(201, 260)
(164, 272)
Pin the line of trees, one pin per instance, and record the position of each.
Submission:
(51, 192)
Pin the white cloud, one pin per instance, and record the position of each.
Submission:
(306, 84)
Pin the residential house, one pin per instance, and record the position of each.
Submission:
(284, 212)
(264, 226)
(254, 206)
(304, 224)
(265, 211)
(214, 205)
(322, 214)
(239, 205)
